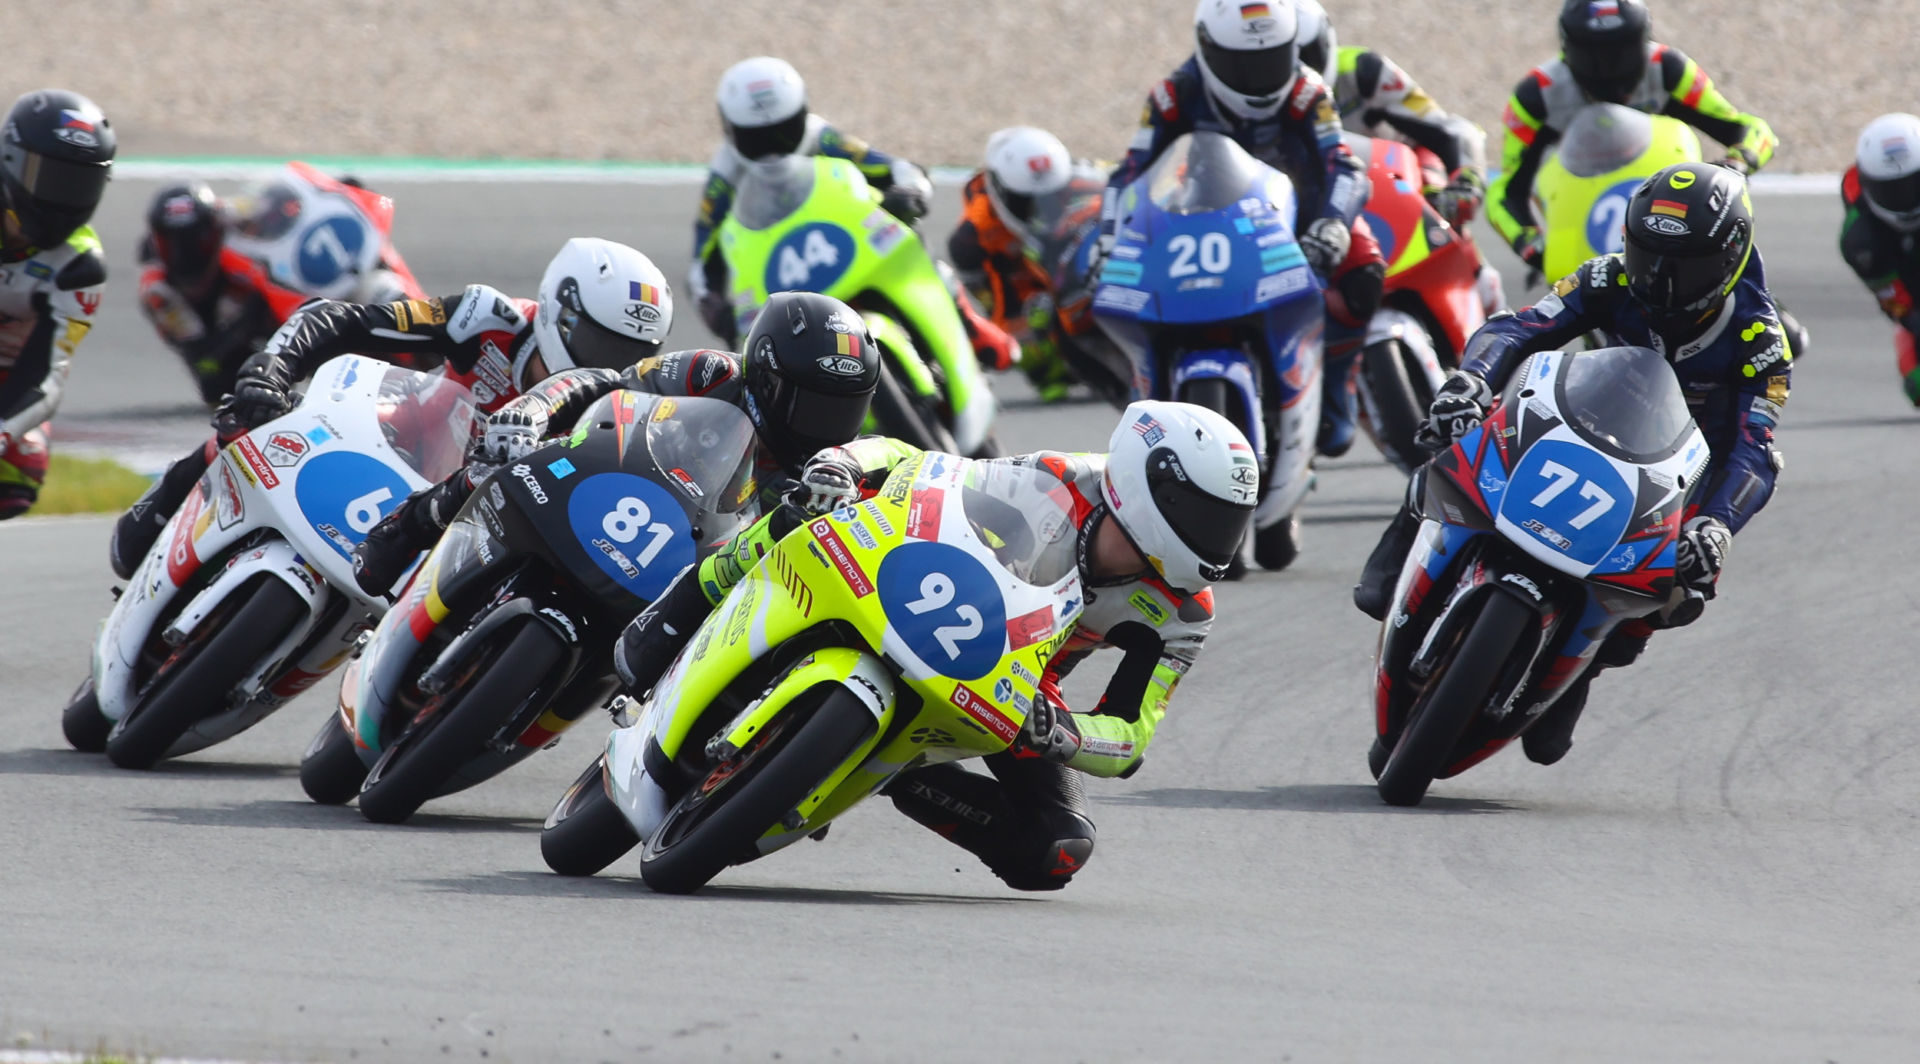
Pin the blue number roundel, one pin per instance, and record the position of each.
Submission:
(1608, 214)
(946, 606)
(632, 528)
(1569, 498)
(329, 249)
(343, 494)
(812, 258)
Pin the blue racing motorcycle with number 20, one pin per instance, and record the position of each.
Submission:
(1547, 526)
(1208, 294)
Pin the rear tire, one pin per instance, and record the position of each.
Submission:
(1395, 402)
(706, 831)
(331, 771)
(1277, 545)
(586, 831)
(1449, 705)
(85, 726)
(194, 689)
(429, 753)
(901, 415)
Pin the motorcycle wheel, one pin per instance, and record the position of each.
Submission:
(1396, 402)
(85, 726)
(716, 823)
(331, 771)
(586, 831)
(196, 681)
(426, 756)
(1277, 545)
(903, 417)
(1450, 703)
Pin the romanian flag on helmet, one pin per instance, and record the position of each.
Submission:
(645, 293)
(1669, 208)
(1255, 11)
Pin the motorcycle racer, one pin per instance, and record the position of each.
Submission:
(763, 112)
(1018, 211)
(211, 304)
(807, 380)
(1691, 286)
(56, 156)
(600, 304)
(1880, 237)
(1160, 515)
(1244, 80)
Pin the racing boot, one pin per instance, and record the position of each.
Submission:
(653, 639)
(1552, 735)
(1038, 847)
(134, 534)
(413, 526)
(1374, 593)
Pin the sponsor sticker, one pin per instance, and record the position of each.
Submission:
(256, 462)
(983, 711)
(842, 558)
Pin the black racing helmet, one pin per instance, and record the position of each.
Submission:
(1689, 231)
(811, 368)
(1605, 45)
(56, 154)
(188, 229)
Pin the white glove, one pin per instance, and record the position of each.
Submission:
(830, 480)
(1700, 552)
(1325, 244)
(509, 436)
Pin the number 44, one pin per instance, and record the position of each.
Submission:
(1564, 478)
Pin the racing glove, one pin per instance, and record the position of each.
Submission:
(907, 204)
(830, 480)
(1531, 246)
(1049, 731)
(1325, 243)
(1460, 404)
(717, 313)
(1701, 551)
(1739, 160)
(1459, 200)
(509, 436)
(256, 399)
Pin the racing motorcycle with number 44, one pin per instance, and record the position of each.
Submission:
(248, 597)
(503, 640)
(1546, 527)
(907, 630)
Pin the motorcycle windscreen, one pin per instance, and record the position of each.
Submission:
(704, 448)
(1024, 515)
(1604, 137)
(1626, 402)
(427, 419)
(1203, 172)
(772, 189)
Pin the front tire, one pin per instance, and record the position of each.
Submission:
(586, 831)
(192, 689)
(85, 726)
(900, 414)
(1396, 403)
(716, 823)
(1443, 712)
(331, 771)
(422, 760)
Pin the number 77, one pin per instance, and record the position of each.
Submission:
(1564, 478)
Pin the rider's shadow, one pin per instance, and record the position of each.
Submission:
(1302, 798)
(60, 761)
(547, 885)
(278, 813)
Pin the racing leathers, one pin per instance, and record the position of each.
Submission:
(1735, 372)
(1011, 265)
(904, 186)
(1331, 186)
(551, 407)
(1888, 263)
(48, 297)
(486, 337)
(1027, 821)
(1547, 99)
(216, 325)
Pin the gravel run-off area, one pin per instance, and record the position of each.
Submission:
(633, 79)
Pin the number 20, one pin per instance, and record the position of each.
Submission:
(936, 590)
(1216, 254)
(1564, 478)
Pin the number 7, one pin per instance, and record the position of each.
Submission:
(1563, 478)
(1602, 502)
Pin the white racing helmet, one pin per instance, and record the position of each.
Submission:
(602, 305)
(763, 107)
(1249, 53)
(1319, 45)
(1182, 481)
(1025, 164)
(1889, 159)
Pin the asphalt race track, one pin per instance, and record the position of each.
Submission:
(1722, 869)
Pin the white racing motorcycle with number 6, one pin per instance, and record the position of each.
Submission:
(248, 597)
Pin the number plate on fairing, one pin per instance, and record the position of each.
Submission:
(343, 494)
(946, 606)
(633, 529)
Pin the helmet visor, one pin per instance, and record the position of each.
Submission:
(814, 420)
(1258, 73)
(57, 183)
(593, 345)
(1671, 283)
(1895, 195)
(1210, 526)
(780, 138)
(1608, 70)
